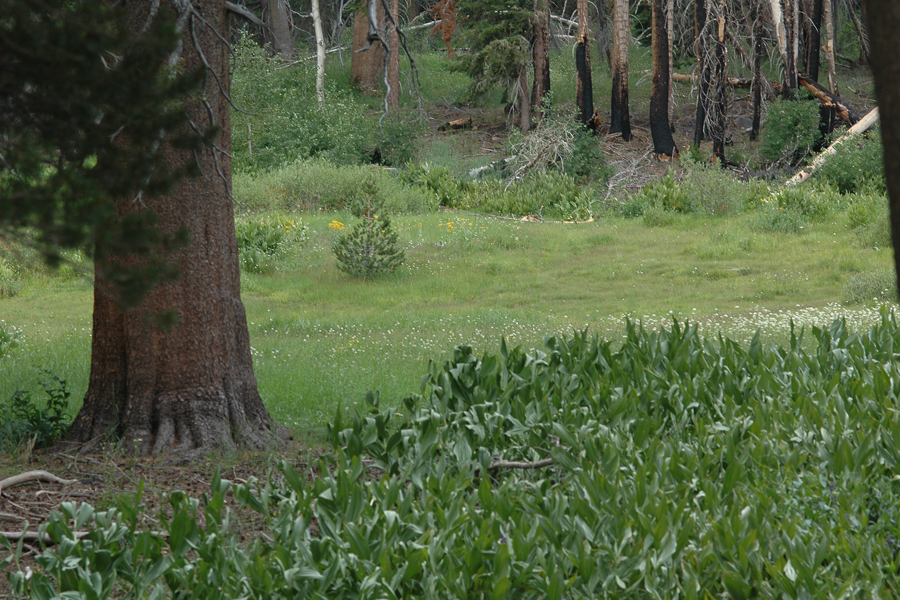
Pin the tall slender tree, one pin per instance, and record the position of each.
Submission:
(541, 53)
(758, 51)
(277, 32)
(584, 92)
(815, 41)
(619, 119)
(703, 69)
(663, 143)
(719, 104)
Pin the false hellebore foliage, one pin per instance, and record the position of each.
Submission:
(663, 465)
(68, 150)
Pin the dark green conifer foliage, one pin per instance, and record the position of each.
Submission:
(84, 107)
(372, 246)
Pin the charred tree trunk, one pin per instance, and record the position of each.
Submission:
(670, 36)
(884, 30)
(619, 119)
(584, 90)
(393, 97)
(702, 48)
(277, 34)
(367, 66)
(863, 33)
(815, 40)
(719, 104)
(663, 143)
(189, 388)
(541, 53)
(758, 50)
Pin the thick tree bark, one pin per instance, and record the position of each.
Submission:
(191, 387)
(394, 58)
(367, 67)
(541, 53)
(719, 104)
(278, 31)
(524, 100)
(815, 41)
(700, 17)
(619, 119)
(584, 91)
(663, 143)
(884, 31)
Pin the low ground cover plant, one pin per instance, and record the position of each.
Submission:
(262, 239)
(669, 464)
(28, 419)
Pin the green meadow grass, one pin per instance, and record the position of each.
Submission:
(321, 339)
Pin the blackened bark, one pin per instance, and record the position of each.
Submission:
(884, 35)
(189, 388)
(620, 121)
(815, 41)
(584, 89)
(541, 52)
(663, 143)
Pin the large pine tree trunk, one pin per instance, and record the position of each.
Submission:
(619, 119)
(584, 90)
(278, 31)
(884, 35)
(189, 388)
(663, 143)
(367, 67)
(541, 54)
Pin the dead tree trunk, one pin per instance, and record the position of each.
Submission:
(393, 97)
(884, 30)
(277, 33)
(320, 52)
(758, 51)
(862, 32)
(584, 92)
(620, 122)
(541, 53)
(719, 103)
(189, 388)
(828, 100)
(829, 47)
(367, 66)
(663, 143)
(815, 42)
(702, 49)
(524, 99)
(670, 36)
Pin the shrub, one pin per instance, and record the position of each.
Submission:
(665, 193)
(23, 420)
(262, 239)
(813, 202)
(588, 161)
(317, 184)
(396, 140)
(438, 180)
(372, 246)
(792, 129)
(549, 194)
(869, 219)
(880, 286)
(713, 191)
(286, 121)
(9, 339)
(856, 166)
(656, 216)
(775, 219)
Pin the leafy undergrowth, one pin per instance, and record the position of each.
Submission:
(670, 466)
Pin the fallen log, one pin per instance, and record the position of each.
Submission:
(829, 100)
(29, 476)
(861, 126)
(456, 124)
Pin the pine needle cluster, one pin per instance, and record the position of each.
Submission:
(372, 246)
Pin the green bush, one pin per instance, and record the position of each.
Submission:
(813, 202)
(286, 122)
(372, 246)
(774, 219)
(396, 140)
(24, 420)
(588, 162)
(320, 185)
(665, 193)
(869, 219)
(792, 129)
(713, 191)
(261, 239)
(856, 167)
(438, 180)
(550, 194)
(880, 286)
(9, 339)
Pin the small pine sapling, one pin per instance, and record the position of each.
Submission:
(372, 246)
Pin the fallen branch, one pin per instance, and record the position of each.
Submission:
(515, 464)
(829, 100)
(862, 125)
(29, 476)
